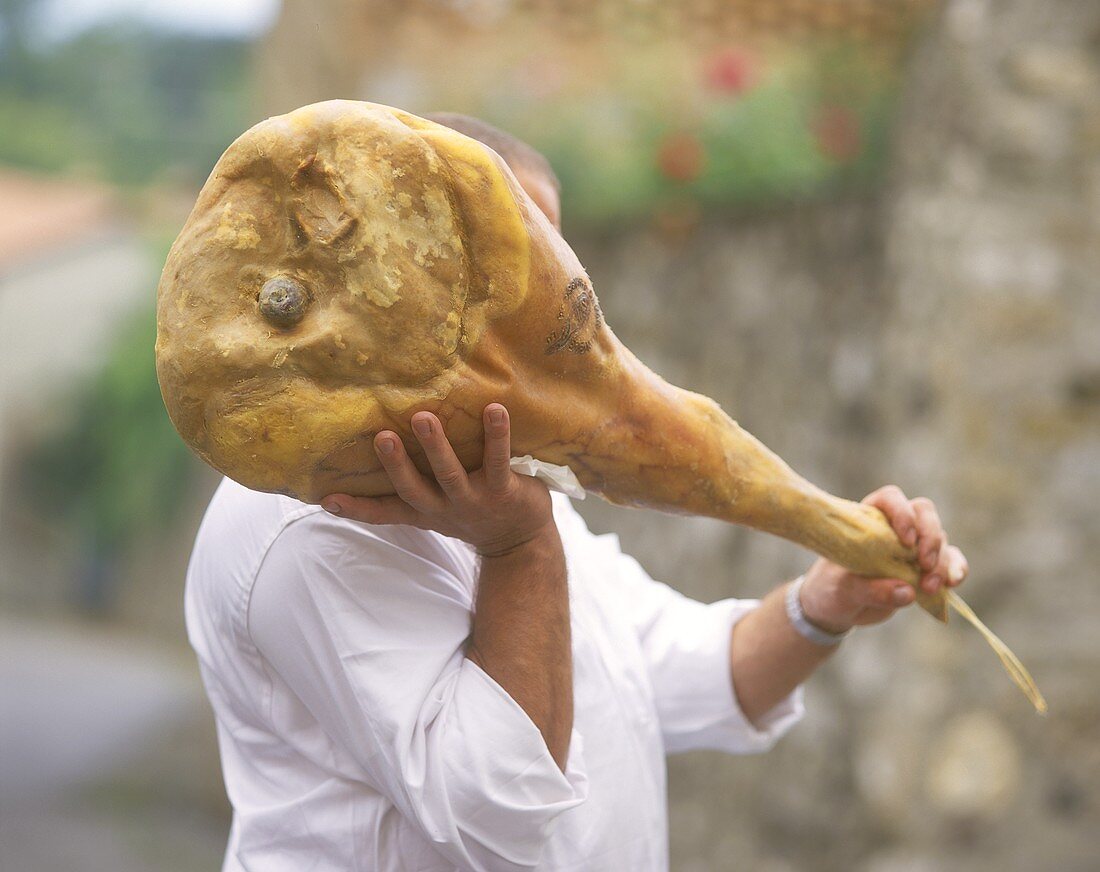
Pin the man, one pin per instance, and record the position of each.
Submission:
(462, 676)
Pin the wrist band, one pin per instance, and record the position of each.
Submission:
(801, 625)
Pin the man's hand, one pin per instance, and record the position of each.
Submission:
(493, 508)
(835, 599)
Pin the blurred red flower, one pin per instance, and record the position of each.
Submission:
(730, 71)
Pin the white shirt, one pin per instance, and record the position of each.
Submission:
(355, 735)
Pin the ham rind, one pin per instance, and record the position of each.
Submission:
(349, 264)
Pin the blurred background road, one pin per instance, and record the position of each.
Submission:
(80, 706)
(869, 228)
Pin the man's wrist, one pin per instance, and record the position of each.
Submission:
(806, 623)
(821, 596)
(545, 538)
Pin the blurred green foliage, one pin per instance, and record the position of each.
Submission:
(114, 468)
(120, 100)
(766, 149)
(718, 129)
(131, 105)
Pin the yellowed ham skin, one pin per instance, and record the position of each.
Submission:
(435, 284)
(357, 204)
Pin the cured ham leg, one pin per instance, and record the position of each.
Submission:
(349, 264)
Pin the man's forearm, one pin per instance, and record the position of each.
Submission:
(521, 634)
(768, 659)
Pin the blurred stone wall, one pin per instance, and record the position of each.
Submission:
(945, 336)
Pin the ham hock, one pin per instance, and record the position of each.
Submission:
(349, 264)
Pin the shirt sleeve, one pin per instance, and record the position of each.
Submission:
(371, 637)
(686, 645)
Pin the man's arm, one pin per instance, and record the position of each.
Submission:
(521, 620)
(521, 634)
(769, 659)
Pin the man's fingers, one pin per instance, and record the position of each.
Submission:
(498, 448)
(407, 481)
(448, 470)
(930, 532)
(884, 593)
(371, 510)
(958, 567)
(881, 593)
(940, 573)
(897, 508)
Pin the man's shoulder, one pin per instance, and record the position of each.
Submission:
(238, 528)
(240, 524)
(242, 527)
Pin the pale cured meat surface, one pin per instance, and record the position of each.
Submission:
(348, 264)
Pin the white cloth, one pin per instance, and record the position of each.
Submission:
(556, 478)
(355, 735)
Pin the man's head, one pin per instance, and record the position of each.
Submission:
(531, 169)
